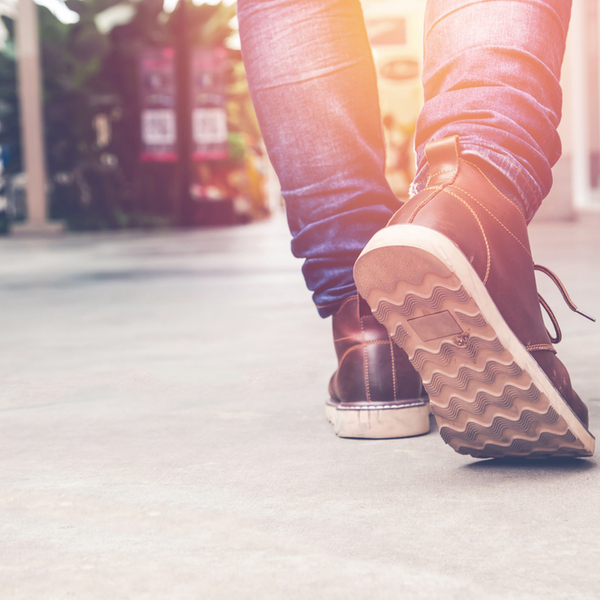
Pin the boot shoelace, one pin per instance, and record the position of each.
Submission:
(561, 288)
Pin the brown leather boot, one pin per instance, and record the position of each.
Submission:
(452, 279)
(375, 392)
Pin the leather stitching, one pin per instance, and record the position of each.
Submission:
(516, 166)
(349, 299)
(348, 337)
(361, 346)
(430, 177)
(393, 367)
(512, 204)
(495, 218)
(487, 246)
(421, 205)
(365, 360)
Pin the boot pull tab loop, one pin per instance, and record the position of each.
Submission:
(567, 299)
(443, 158)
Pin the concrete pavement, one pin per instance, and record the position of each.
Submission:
(162, 436)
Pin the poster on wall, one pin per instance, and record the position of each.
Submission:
(209, 111)
(158, 105)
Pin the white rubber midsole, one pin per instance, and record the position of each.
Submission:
(378, 423)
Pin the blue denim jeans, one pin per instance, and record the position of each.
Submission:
(490, 74)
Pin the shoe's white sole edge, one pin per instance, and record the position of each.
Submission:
(442, 251)
(378, 423)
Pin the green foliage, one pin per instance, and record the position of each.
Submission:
(86, 73)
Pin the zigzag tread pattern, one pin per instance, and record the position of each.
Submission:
(466, 374)
(523, 423)
(448, 350)
(549, 445)
(483, 399)
(433, 301)
(400, 335)
(502, 426)
(555, 439)
(477, 320)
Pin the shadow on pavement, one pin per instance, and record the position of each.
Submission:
(555, 465)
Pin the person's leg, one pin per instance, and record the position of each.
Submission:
(491, 75)
(312, 80)
(452, 276)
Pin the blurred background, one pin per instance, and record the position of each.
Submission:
(146, 119)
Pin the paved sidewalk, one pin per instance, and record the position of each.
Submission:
(162, 436)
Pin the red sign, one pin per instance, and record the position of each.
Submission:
(209, 112)
(158, 98)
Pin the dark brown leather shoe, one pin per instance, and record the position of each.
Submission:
(452, 279)
(375, 392)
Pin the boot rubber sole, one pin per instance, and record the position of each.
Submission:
(489, 396)
(378, 420)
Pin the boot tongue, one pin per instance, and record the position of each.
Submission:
(442, 156)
